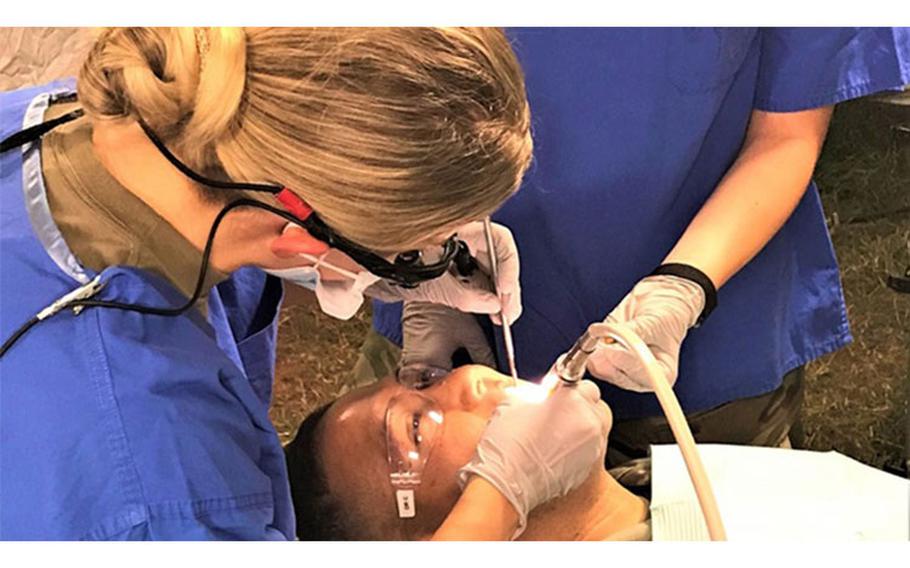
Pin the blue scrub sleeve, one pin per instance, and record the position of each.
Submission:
(805, 68)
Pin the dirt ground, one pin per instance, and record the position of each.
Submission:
(856, 399)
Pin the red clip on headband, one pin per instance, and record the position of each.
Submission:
(292, 202)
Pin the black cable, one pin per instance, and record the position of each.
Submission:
(418, 272)
(37, 131)
(185, 170)
(203, 271)
(19, 333)
(153, 310)
(405, 273)
(314, 225)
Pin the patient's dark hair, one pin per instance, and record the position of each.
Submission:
(320, 515)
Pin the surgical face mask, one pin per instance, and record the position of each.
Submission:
(338, 298)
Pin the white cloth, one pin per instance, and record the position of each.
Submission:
(775, 495)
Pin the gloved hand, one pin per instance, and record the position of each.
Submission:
(433, 332)
(533, 452)
(660, 309)
(472, 294)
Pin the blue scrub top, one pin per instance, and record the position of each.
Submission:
(633, 130)
(120, 425)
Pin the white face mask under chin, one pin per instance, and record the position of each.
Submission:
(338, 298)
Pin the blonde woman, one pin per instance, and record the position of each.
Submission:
(183, 162)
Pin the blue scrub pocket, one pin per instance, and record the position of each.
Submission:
(243, 311)
(703, 60)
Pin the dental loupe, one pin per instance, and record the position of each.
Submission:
(570, 369)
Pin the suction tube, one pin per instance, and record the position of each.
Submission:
(614, 332)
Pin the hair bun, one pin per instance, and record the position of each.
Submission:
(157, 74)
(219, 89)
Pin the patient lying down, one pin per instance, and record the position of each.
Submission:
(339, 466)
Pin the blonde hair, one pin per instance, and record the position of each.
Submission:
(390, 134)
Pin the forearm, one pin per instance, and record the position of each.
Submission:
(757, 196)
(482, 513)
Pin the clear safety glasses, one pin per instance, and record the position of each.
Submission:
(418, 376)
(413, 424)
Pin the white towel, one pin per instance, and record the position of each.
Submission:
(774, 494)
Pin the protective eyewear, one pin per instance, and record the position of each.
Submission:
(413, 424)
(417, 376)
(407, 270)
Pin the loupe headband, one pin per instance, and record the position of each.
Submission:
(408, 269)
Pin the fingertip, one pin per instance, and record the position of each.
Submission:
(513, 307)
(588, 390)
(607, 416)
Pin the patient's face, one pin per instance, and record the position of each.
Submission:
(354, 446)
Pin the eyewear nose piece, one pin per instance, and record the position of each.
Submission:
(408, 258)
(419, 376)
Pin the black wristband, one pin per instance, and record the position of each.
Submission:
(693, 275)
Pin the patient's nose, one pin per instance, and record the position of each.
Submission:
(471, 388)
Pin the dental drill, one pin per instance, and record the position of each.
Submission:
(570, 369)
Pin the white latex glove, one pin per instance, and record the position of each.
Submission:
(660, 309)
(474, 294)
(431, 333)
(535, 451)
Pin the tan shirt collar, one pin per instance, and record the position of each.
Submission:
(105, 224)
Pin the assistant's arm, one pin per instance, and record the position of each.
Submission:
(482, 513)
(753, 200)
(757, 195)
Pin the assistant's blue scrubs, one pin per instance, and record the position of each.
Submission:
(119, 425)
(633, 130)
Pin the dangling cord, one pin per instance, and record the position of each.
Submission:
(37, 131)
(19, 333)
(185, 170)
(203, 271)
(153, 310)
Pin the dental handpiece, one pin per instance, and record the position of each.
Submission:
(571, 368)
(494, 272)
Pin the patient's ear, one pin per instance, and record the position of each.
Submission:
(295, 240)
